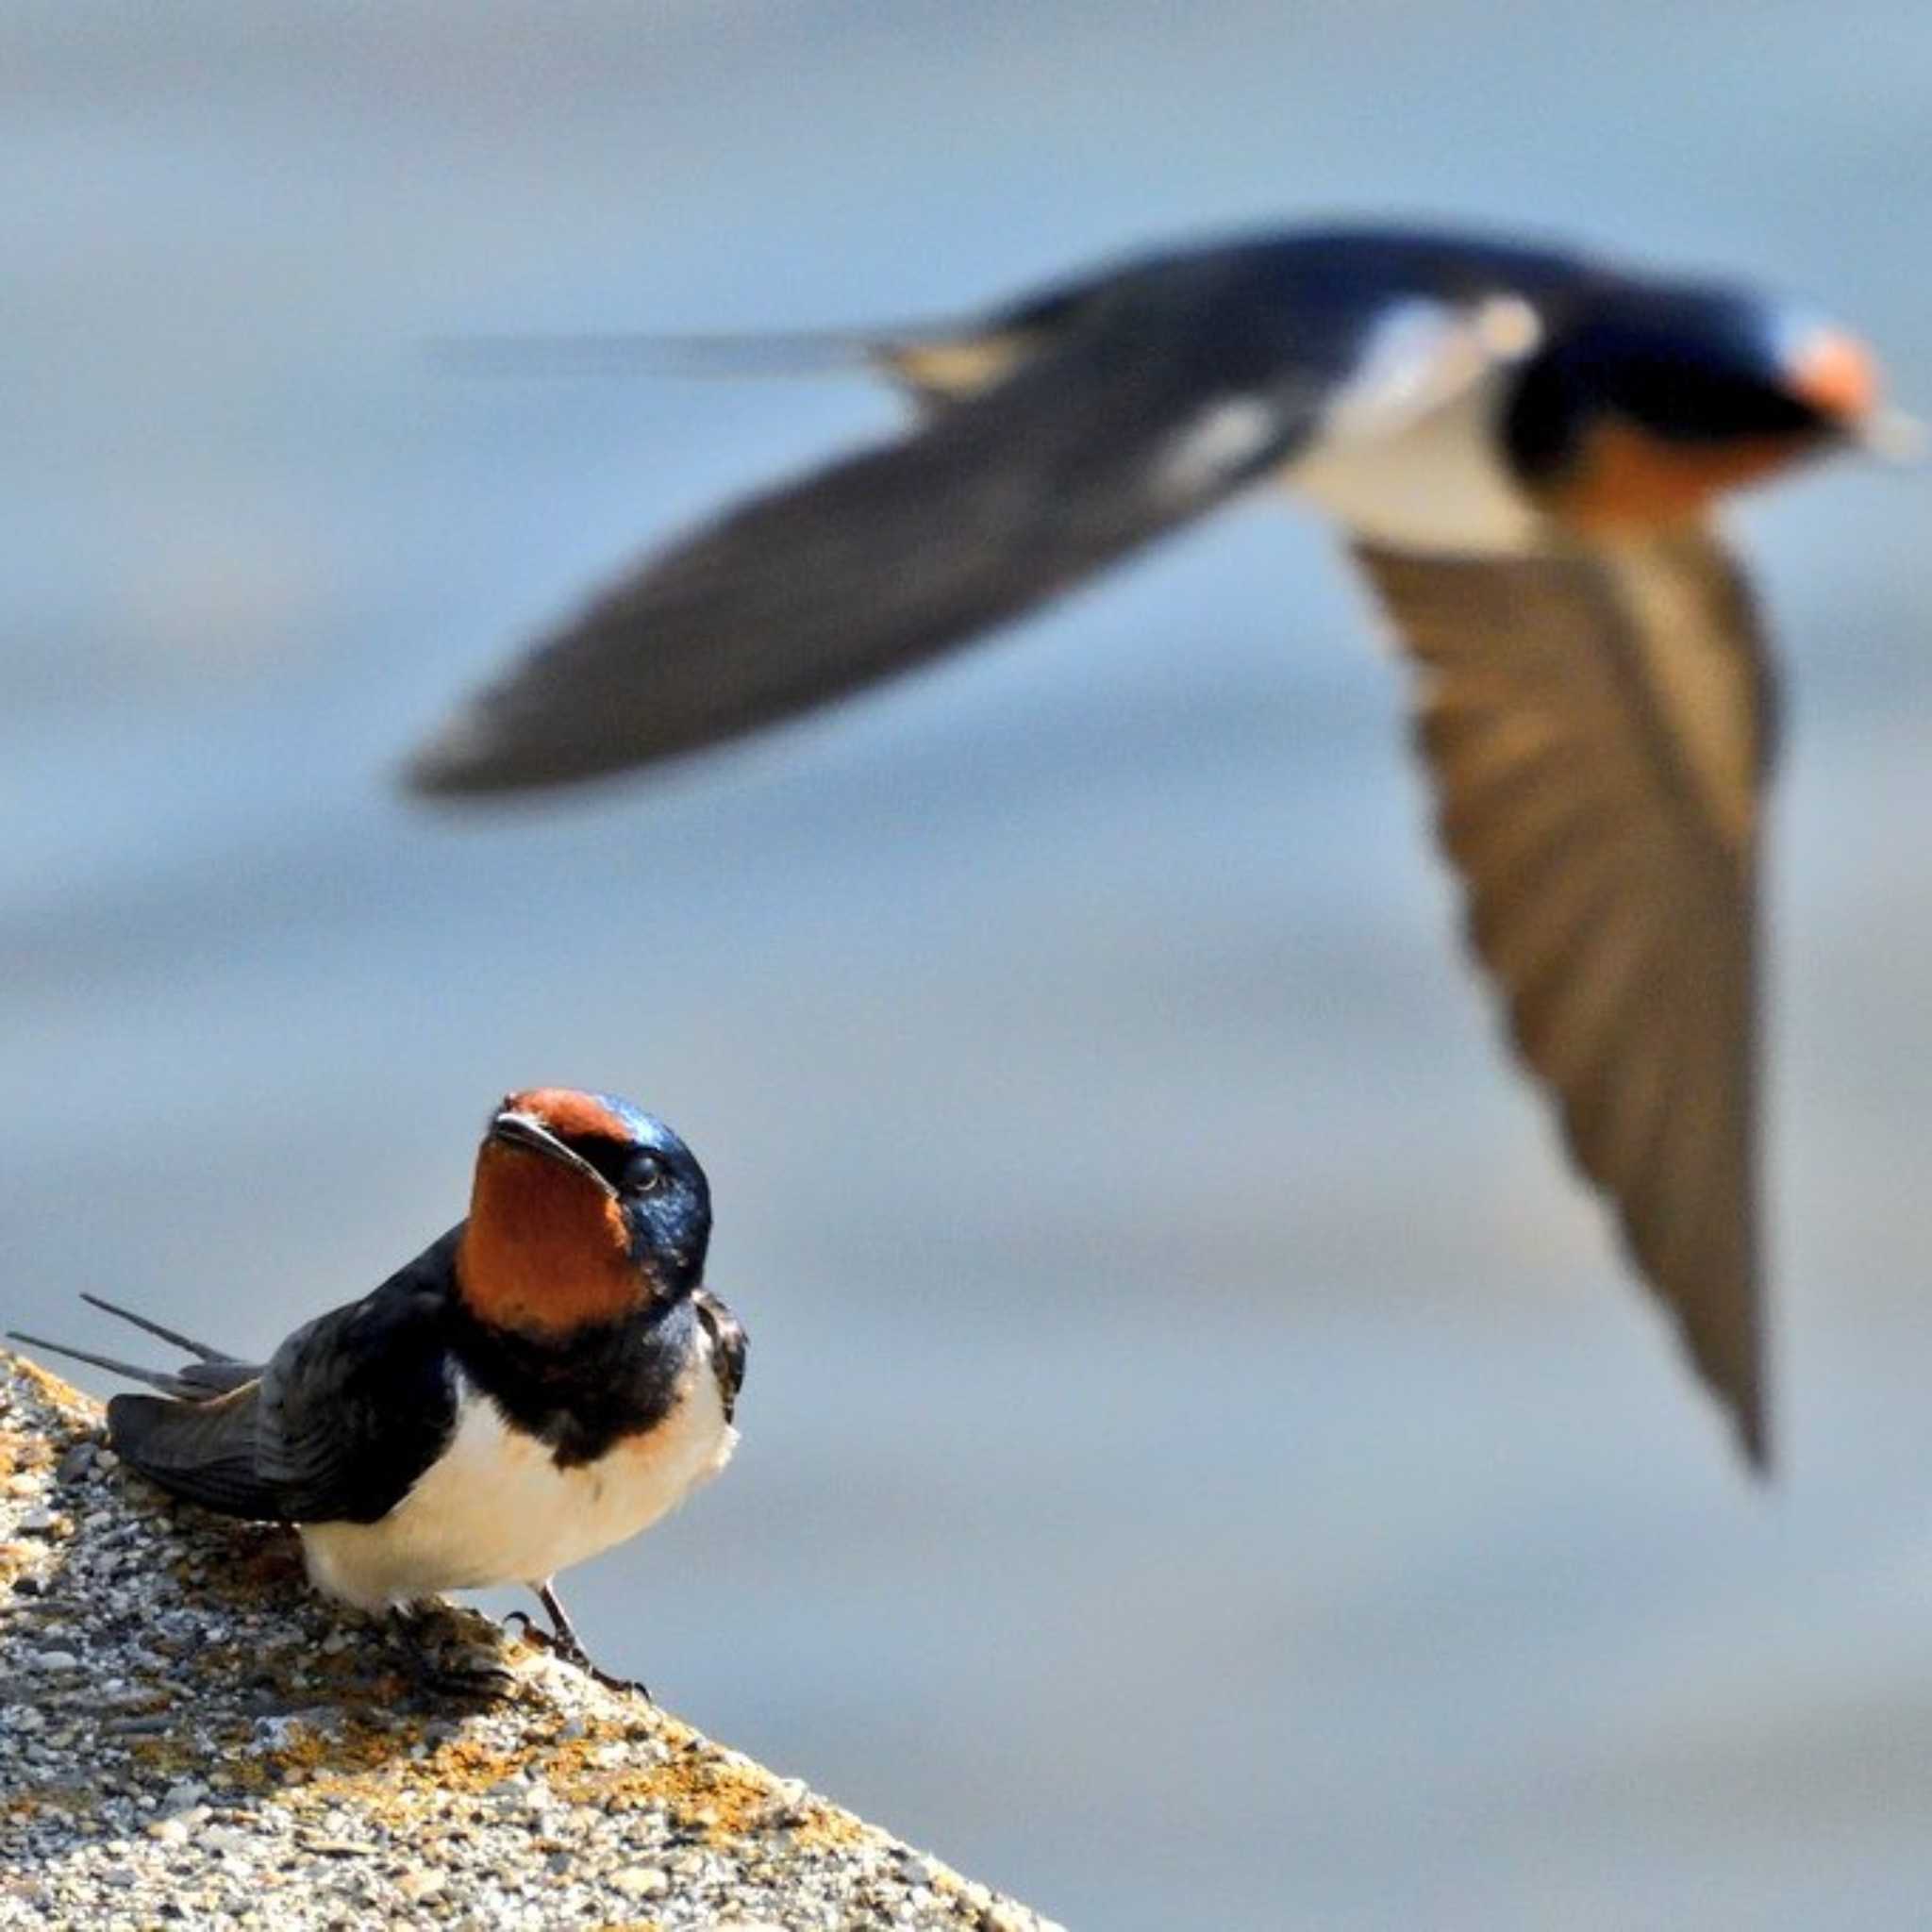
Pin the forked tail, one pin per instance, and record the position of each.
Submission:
(214, 1373)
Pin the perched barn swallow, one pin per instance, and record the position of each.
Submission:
(1521, 447)
(547, 1379)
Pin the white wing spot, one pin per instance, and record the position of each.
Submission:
(1223, 440)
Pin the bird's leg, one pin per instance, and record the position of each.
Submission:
(562, 1641)
(563, 1633)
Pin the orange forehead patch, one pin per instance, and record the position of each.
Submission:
(566, 1112)
(545, 1250)
(1836, 375)
(1624, 478)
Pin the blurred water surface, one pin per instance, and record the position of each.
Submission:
(1204, 1464)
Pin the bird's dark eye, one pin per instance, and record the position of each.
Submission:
(645, 1174)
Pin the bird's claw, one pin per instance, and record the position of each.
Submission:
(567, 1651)
(624, 1687)
(476, 1683)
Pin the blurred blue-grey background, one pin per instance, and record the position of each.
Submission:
(1205, 1463)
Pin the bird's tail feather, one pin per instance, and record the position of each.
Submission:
(155, 1378)
(805, 352)
(213, 1374)
(155, 1328)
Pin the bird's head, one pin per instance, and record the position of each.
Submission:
(584, 1210)
(1651, 399)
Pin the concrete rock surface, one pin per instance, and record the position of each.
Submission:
(188, 1736)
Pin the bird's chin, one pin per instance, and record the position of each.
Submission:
(1624, 482)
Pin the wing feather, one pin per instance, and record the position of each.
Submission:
(1596, 724)
(337, 1427)
(357, 1404)
(730, 1347)
(880, 561)
(203, 1451)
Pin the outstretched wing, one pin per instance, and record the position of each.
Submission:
(1597, 724)
(1150, 414)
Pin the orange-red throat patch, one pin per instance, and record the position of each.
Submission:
(1624, 478)
(545, 1249)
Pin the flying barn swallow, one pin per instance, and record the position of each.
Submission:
(1523, 448)
(547, 1379)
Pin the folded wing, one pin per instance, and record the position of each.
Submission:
(337, 1427)
(203, 1450)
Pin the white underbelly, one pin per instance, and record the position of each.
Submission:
(1437, 487)
(496, 1508)
(1429, 481)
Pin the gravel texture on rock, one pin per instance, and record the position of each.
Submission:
(188, 1736)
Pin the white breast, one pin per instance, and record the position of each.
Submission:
(1436, 486)
(1407, 453)
(496, 1508)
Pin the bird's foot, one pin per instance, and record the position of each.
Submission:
(444, 1666)
(567, 1649)
(624, 1687)
(464, 1683)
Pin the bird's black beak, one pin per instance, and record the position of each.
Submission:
(525, 1131)
(1893, 436)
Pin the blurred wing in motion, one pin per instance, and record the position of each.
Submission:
(1597, 724)
(997, 502)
